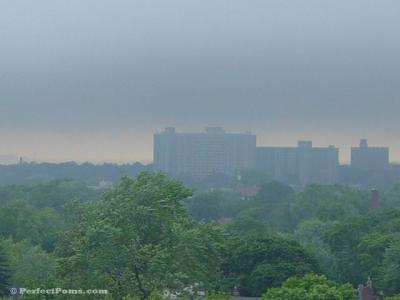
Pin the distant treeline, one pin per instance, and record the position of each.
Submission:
(381, 179)
(91, 174)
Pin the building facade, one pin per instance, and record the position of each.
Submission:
(299, 165)
(198, 155)
(366, 158)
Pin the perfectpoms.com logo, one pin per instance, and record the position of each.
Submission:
(56, 291)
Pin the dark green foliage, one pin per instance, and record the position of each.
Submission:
(332, 222)
(57, 193)
(5, 273)
(248, 221)
(31, 265)
(274, 200)
(271, 205)
(215, 205)
(139, 239)
(260, 261)
(359, 244)
(391, 197)
(273, 193)
(20, 221)
(389, 275)
(52, 194)
(329, 202)
(34, 212)
(310, 234)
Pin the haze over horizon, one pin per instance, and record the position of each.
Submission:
(93, 80)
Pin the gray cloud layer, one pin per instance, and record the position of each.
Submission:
(71, 69)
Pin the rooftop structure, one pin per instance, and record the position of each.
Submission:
(299, 165)
(368, 158)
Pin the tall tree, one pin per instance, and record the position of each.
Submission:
(139, 239)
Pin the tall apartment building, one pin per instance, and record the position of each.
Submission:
(299, 165)
(369, 158)
(198, 155)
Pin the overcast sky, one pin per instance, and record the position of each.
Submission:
(93, 79)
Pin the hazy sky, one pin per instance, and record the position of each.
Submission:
(93, 79)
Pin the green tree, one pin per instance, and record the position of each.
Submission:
(205, 206)
(310, 234)
(248, 221)
(274, 200)
(260, 261)
(31, 266)
(359, 243)
(138, 239)
(5, 273)
(54, 194)
(329, 202)
(20, 220)
(390, 270)
(391, 198)
(215, 205)
(310, 287)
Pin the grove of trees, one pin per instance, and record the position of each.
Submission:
(150, 235)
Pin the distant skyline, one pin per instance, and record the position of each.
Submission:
(64, 152)
(93, 80)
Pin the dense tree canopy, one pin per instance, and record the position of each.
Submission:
(310, 234)
(149, 234)
(260, 261)
(215, 205)
(310, 287)
(389, 274)
(22, 221)
(329, 202)
(52, 194)
(359, 244)
(5, 273)
(31, 265)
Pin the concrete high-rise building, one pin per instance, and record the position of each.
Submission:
(299, 165)
(367, 158)
(198, 155)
